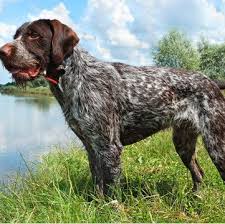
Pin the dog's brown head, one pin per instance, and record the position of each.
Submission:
(38, 46)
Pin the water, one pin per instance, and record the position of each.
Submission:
(31, 127)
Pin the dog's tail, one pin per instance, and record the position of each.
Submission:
(220, 83)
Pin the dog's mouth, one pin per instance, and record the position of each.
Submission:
(25, 74)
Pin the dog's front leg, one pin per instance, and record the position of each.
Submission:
(96, 171)
(105, 167)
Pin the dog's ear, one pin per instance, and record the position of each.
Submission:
(63, 41)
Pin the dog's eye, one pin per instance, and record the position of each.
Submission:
(33, 35)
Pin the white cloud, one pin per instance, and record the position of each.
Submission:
(109, 22)
(3, 3)
(2, 42)
(123, 37)
(6, 33)
(195, 17)
(6, 30)
(129, 29)
(87, 36)
(105, 53)
(59, 12)
(112, 19)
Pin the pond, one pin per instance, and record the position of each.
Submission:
(29, 128)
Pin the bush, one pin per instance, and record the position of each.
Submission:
(212, 59)
(175, 50)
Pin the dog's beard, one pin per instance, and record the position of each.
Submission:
(20, 82)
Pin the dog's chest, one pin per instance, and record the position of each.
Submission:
(67, 96)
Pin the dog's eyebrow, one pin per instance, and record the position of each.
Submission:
(21, 30)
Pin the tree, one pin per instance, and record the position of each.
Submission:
(175, 50)
(40, 81)
(212, 59)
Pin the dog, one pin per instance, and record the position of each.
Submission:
(109, 105)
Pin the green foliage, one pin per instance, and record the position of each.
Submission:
(10, 84)
(40, 81)
(27, 91)
(212, 59)
(156, 187)
(175, 50)
(38, 86)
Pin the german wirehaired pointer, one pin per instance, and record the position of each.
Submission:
(110, 105)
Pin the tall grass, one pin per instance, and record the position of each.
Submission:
(155, 187)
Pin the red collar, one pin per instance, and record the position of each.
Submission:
(51, 80)
(53, 75)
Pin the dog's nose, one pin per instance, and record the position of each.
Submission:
(6, 50)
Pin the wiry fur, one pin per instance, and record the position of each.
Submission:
(109, 105)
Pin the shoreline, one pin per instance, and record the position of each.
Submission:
(27, 91)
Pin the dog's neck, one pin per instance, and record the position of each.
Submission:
(78, 61)
(76, 64)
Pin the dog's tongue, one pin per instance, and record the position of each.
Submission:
(32, 72)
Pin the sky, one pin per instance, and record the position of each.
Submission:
(119, 30)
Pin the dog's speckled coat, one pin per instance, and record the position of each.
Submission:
(110, 105)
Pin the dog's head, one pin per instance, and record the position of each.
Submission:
(37, 46)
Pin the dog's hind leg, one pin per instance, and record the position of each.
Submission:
(184, 139)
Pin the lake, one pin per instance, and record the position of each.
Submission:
(29, 128)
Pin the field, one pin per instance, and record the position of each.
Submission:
(155, 187)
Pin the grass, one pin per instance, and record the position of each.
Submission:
(25, 91)
(155, 187)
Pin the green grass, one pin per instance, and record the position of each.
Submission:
(25, 91)
(155, 187)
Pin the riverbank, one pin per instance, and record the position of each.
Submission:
(155, 188)
(14, 90)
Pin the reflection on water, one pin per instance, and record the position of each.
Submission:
(30, 126)
(42, 103)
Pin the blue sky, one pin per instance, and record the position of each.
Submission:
(16, 11)
(119, 30)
